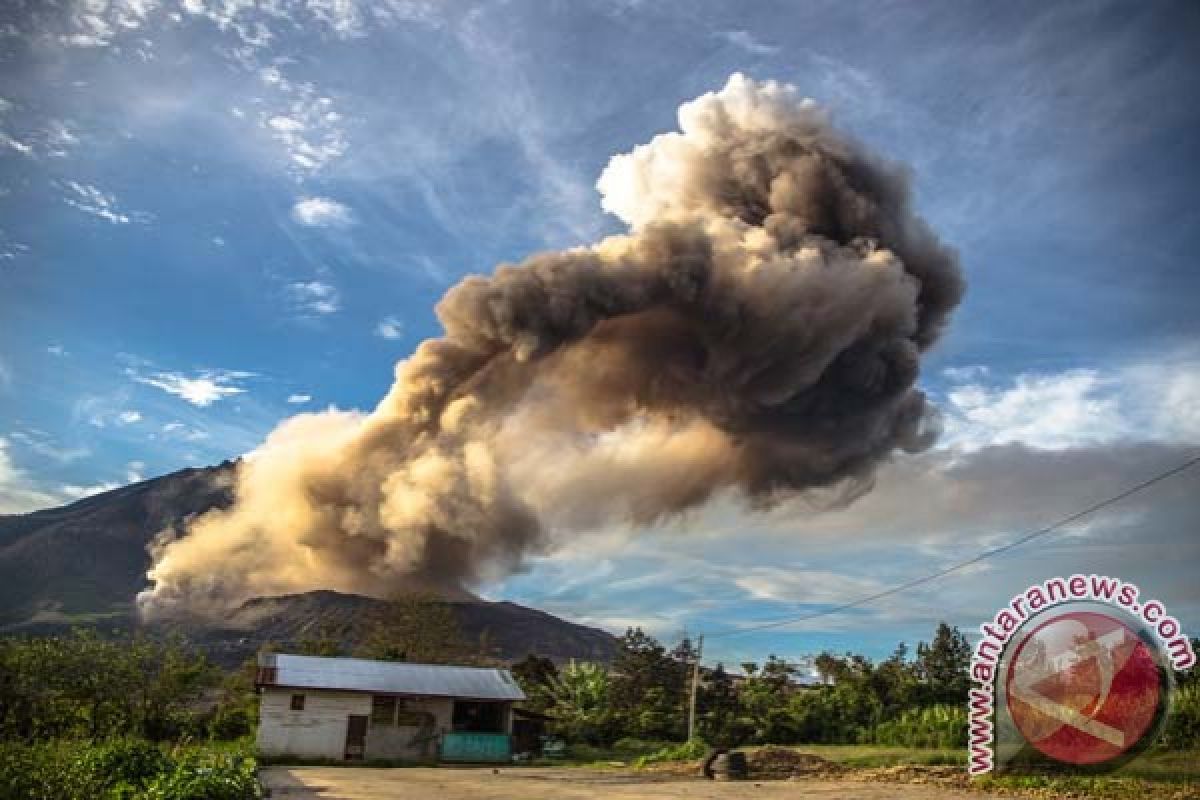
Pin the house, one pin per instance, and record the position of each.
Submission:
(354, 709)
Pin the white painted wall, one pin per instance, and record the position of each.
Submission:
(391, 741)
(319, 731)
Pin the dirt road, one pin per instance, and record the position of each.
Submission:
(563, 783)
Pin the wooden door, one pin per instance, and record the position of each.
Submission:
(356, 737)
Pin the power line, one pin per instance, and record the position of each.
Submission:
(1114, 499)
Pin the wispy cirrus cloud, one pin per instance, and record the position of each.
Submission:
(746, 41)
(299, 399)
(44, 445)
(202, 388)
(92, 200)
(133, 474)
(178, 430)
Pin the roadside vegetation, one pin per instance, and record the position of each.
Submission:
(89, 717)
(912, 702)
(83, 717)
(902, 718)
(86, 718)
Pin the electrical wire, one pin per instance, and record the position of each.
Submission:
(1028, 537)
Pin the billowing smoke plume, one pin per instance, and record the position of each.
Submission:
(757, 333)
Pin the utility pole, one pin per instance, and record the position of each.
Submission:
(695, 687)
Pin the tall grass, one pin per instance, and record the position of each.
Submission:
(936, 726)
(1183, 726)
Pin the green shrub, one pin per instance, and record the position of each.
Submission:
(124, 770)
(123, 761)
(26, 772)
(207, 777)
(686, 751)
(632, 746)
(231, 722)
(582, 751)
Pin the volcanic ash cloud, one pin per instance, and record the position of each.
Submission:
(756, 333)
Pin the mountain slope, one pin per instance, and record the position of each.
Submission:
(511, 631)
(90, 556)
(83, 564)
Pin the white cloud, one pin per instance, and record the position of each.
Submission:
(968, 373)
(285, 124)
(177, 430)
(18, 492)
(41, 443)
(129, 416)
(390, 328)
(72, 491)
(344, 17)
(1073, 408)
(204, 389)
(802, 586)
(322, 212)
(299, 399)
(91, 200)
(9, 249)
(56, 350)
(307, 126)
(314, 297)
(60, 139)
(1051, 412)
(747, 42)
(16, 144)
(95, 23)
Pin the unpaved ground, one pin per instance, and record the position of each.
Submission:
(564, 783)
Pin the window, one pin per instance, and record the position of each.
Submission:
(297, 702)
(383, 711)
(479, 717)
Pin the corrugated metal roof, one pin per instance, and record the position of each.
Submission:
(389, 677)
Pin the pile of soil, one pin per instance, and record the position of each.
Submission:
(950, 776)
(780, 763)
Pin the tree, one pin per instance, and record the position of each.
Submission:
(764, 698)
(943, 664)
(896, 681)
(580, 694)
(327, 639)
(81, 685)
(416, 626)
(536, 675)
(718, 710)
(827, 665)
(169, 680)
(649, 687)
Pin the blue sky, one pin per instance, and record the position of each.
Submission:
(216, 214)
